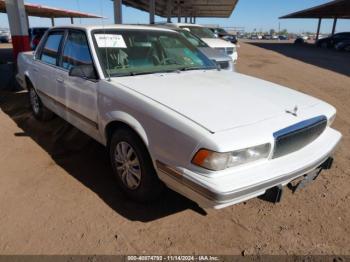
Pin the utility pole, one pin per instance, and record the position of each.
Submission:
(279, 27)
(18, 26)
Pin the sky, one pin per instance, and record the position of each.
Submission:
(250, 14)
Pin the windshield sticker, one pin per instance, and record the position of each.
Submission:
(110, 40)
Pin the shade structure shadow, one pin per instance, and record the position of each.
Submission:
(87, 161)
(329, 59)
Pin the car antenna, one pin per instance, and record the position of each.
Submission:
(104, 32)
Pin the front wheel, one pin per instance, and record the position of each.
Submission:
(40, 112)
(347, 48)
(132, 166)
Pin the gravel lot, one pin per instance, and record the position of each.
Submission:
(57, 194)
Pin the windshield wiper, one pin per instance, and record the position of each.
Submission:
(133, 74)
(189, 68)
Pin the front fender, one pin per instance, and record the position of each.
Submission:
(120, 116)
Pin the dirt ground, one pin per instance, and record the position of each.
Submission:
(57, 194)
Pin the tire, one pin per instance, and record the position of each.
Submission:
(133, 167)
(40, 112)
(324, 45)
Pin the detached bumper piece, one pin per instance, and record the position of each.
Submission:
(312, 176)
(273, 195)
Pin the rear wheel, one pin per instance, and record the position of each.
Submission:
(40, 112)
(133, 167)
(324, 45)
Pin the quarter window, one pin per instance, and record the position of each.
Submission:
(76, 50)
(50, 51)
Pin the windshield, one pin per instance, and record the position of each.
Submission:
(221, 31)
(201, 32)
(132, 52)
(193, 39)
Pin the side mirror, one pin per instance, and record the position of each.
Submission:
(83, 71)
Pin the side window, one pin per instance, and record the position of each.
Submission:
(76, 50)
(50, 51)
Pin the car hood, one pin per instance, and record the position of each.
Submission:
(215, 54)
(217, 43)
(218, 100)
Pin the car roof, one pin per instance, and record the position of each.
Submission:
(120, 26)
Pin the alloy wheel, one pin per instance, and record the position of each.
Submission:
(128, 165)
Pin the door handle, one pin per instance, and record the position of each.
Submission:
(59, 80)
(35, 70)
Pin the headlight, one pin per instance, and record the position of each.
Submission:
(331, 120)
(219, 161)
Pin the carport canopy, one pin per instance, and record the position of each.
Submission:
(178, 8)
(49, 12)
(332, 10)
(197, 8)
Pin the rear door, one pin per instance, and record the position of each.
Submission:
(45, 67)
(79, 95)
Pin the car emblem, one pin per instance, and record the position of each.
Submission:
(293, 112)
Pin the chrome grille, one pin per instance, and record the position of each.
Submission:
(295, 137)
(229, 50)
(224, 64)
(222, 50)
(226, 51)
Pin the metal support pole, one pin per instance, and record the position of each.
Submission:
(18, 26)
(118, 15)
(194, 20)
(72, 20)
(27, 18)
(185, 19)
(169, 6)
(179, 12)
(318, 28)
(52, 21)
(334, 25)
(152, 10)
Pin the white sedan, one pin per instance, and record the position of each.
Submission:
(169, 116)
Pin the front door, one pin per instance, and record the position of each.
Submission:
(79, 95)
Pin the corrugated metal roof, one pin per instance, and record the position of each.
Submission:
(198, 8)
(334, 9)
(46, 11)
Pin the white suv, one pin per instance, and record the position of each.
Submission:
(209, 38)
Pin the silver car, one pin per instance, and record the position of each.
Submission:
(5, 36)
